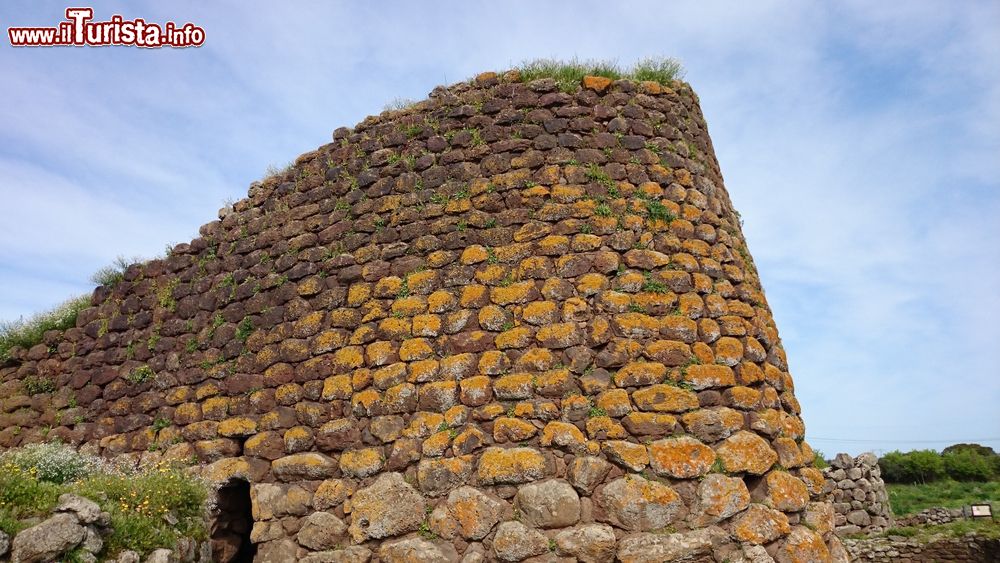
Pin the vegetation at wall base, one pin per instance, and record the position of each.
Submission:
(983, 528)
(142, 503)
(912, 498)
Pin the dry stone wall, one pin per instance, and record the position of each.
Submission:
(859, 496)
(897, 549)
(507, 323)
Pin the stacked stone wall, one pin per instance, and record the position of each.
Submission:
(509, 322)
(859, 496)
(968, 549)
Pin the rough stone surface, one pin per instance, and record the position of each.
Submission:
(500, 287)
(860, 498)
(657, 548)
(589, 543)
(548, 504)
(515, 542)
(388, 507)
(47, 540)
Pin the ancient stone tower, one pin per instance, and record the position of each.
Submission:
(507, 323)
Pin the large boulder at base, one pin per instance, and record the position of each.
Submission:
(47, 541)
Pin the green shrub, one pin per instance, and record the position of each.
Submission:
(968, 465)
(141, 505)
(35, 384)
(113, 274)
(149, 508)
(819, 462)
(28, 332)
(918, 466)
(52, 462)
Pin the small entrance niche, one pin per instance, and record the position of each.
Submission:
(232, 522)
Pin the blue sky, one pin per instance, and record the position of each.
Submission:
(859, 140)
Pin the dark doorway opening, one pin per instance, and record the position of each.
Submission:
(233, 522)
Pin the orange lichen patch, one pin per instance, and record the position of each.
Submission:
(599, 331)
(178, 395)
(308, 325)
(728, 351)
(512, 252)
(517, 337)
(358, 294)
(553, 245)
(426, 325)
(541, 410)
(683, 457)
(361, 378)
(423, 424)
(664, 398)
(536, 191)
(409, 306)
(206, 390)
(785, 492)
(714, 423)
(691, 305)
(742, 397)
(366, 401)
(539, 312)
(388, 287)
(655, 303)
(361, 463)
(792, 426)
(331, 493)
(363, 334)
(563, 435)
(456, 416)
(440, 301)
(575, 309)
(493, 317)
(422, 371)
(789, 455)
(510, 466)
(707, 376)
(512, 430)
(422, 283)
(803, 546)
(592, 284)
(474, 295)
(514, 386)
(415, 349)
(596, 83)
(683, 177)
(766, 421)
(536, 359)
(534, 267)
(437, 444)
(635, 325)
(187, 413)
(337, 387)
(746, 452)
(390, 375)
(640, 374)
(614, 402)
(646, 259)
(348, 358)
(520, 292)
(759, 524)
(215, 408)
(373, 311)
(474, 254)
(475, 391)
(668, 352)
(400, 398)
(680, 328)
(605, 428)
(554, 383)
(813, 478)
(559, 335)
(614, 301)
(749, 373)
(493, 274)
(379, 353)
(626, 454)
(564, 193)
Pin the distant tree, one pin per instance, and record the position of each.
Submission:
(979, 449)
(968, 465)
(918, 466)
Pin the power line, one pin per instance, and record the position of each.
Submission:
(954, 441)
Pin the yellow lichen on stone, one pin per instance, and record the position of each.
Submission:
(361, 463)
(512, 430)
(441, 301)
(664, 398)
(683, 457)
(415, 349)
(510, 466)
(517, 337)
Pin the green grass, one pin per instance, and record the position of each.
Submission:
(908, 499)
(141, 503)
(28, 332)
(983, 528)
(569, 73)
(114, 273)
